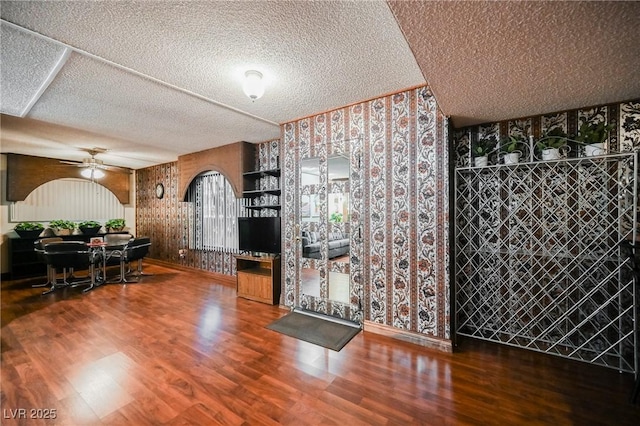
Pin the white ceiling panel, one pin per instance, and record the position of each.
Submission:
(32, 137)
(27, 63)
(169, 74)
(314, 55)
(94, 96)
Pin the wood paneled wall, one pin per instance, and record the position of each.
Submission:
(25, 173)
(230, 160)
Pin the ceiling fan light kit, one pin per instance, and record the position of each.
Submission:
(253, 86)
(92, 173)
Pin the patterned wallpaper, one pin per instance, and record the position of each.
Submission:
(167, 221)
(401, 206)
(623, 117)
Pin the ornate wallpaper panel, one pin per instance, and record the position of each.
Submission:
(399, 260)
(623, 117)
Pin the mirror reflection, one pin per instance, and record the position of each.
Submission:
(338, 208)
(339, 287)
(338, 198)
(310, 180)
(309, 209)
(310, 282)
(310, 171)
(311, 245)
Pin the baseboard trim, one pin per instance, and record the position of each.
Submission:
(409, 336)
(226, 280)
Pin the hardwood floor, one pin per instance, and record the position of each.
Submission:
(179, 349)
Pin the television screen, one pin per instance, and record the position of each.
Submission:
(259, 234)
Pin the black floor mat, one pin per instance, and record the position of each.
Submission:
(315, 329)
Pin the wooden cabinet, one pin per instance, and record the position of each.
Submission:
(258, 278)
(23, 259)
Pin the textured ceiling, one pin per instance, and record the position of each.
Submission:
(491, 61)
(171, 82)
(153, 80)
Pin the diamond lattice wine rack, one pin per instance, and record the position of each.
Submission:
(539, 260)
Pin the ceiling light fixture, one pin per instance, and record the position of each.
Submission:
(92, 173)
(253, 86)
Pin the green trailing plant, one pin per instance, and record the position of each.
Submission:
(589, 133)
(511, 144)
(554, 138)
(89, 224)
(483, 146)
(335, 217)
(29, 226)
(62, 224)
(115, 224)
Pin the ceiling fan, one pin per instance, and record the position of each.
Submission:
(92, 168)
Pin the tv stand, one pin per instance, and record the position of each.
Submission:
(258, 278)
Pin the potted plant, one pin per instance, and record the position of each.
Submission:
(481, 149)
(592, 136)
(509, 148)
(62, 227)
(335, 217)
(89, 227)
(114, 225)
(28, 229)
(550, 144)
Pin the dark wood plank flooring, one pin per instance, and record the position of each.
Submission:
(180, 349)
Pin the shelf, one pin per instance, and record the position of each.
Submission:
(258, 192)
(261, 173)
(266, 272)
(272, 207)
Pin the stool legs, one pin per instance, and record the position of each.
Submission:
(50, 273)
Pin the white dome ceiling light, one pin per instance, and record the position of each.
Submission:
(92, 173)
(253, 86)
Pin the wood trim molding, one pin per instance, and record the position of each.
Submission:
(25, 173)
(226, 280)
(230, 160)
(409, 336)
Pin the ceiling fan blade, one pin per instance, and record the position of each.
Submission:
(116, 169)
(95, 163)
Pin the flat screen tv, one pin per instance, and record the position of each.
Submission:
(259, 234)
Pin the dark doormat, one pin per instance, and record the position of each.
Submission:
(313, 328)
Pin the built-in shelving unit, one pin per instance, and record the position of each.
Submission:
(261, 191)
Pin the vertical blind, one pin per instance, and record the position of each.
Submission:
(70, 199)
(215, 214)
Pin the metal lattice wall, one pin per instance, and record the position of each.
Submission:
(538, 258)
